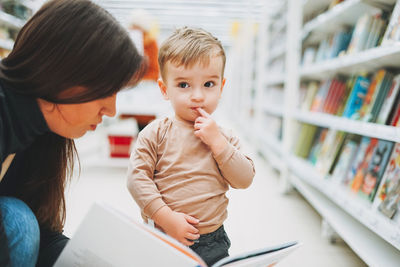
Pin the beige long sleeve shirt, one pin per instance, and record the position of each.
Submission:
(171, 166)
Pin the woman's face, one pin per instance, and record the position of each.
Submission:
(74, 120)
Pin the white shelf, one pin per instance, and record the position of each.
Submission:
(11, 20)
(345, 13)
(271, 148)
(379, 131)
(311, 6)
(277, 52)
(370, 247)
(386, 230)
(368, 60)
(273, 109)
(6, 44)
(275, 79)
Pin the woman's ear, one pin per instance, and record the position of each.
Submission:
(45, 106)
(163, 88)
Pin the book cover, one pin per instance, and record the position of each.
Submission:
(320, 96)
(305, 140)
(311, 91)
(345, 158)
(376, 168)
(382, 93)
(349, 84)
(319, 140)
(329, 149)
(360, 34)
(389, 101)
(395, 116)
(362, 167)
(388, 194)
(106, 237)
(356, 97)
(360, 154)
(338, 98)
(392, 32)
(371, 93)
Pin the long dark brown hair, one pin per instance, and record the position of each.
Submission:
(66, 43)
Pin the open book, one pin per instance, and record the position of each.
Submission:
(107, 237)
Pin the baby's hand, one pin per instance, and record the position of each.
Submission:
(207, 130)
(178, 225)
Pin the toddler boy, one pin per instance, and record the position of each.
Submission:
(182, 166)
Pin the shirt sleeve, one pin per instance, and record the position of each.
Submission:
(237, 168)
(141, 168)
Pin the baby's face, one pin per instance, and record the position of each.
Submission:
(193, 87)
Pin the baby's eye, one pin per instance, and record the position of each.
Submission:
(209, 84)
(183, 85)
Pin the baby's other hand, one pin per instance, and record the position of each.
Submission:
(179, 226)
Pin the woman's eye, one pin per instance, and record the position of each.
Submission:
(183, 85)
(209, 84)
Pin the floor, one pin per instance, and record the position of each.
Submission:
(258, 216)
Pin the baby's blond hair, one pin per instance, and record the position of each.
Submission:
(188, 46)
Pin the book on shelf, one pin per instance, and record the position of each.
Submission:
(319, 140)
(311, 91)
(356, 97)
(360, 34)
(376, 93)
(384, 90)
(349, 84)
(107, 237)
(389, 101)
(375, 169)
(329, 149)
(392, 32)
(333, 101)
(355, 164)
(345, 158)
(376, 31)
(320, 96)
(387, 198)
(362, 167)
(305, 140)
(395, 116)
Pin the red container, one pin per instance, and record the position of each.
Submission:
(120, 146)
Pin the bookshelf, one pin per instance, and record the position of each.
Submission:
(373, 236)
(10, 25)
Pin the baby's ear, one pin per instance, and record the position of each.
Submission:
(163, 88)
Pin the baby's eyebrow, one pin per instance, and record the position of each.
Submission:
(214, 76)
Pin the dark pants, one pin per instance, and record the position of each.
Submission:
(213, 246)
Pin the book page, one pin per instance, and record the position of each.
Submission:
(106, 238)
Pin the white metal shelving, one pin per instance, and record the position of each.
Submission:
(348, 125)
(375, 238)
(11, 21)
(274, 110)
(368, 60)
(345, 13)
(6, 44)
(369, 246)
(275, 79)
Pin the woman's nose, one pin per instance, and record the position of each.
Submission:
(109, 104)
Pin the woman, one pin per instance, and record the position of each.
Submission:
(61, 78)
